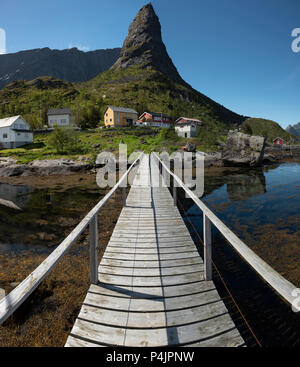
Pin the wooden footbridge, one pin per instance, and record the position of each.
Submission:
(151, 288)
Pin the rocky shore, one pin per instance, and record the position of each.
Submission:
(10, 168)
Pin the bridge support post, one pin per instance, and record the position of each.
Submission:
(93, 228)
(174, 193)
(124, 195)
(207, 248)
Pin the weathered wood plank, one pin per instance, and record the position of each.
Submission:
(177, 270)
(152, 281)
(151, 264)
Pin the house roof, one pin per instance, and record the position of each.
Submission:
(188, 119)
(156, 114)
(9, 121)
(59, 111)
(121, 109)
(278, 138)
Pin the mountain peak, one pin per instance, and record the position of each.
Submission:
(144, 46)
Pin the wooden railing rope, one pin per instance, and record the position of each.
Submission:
(281, 285)
(10, 303)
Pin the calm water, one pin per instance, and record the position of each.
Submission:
(40, 216)
(262, 206)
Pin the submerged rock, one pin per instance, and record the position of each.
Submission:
(243, 150)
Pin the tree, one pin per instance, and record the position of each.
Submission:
(247, 129)
(63, 140)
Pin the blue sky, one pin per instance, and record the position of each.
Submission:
(237, 52)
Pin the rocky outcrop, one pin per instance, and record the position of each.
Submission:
(190, 147)
(243, 150)
(44, 168)
(277, 152)
(144, 46)
(71, 65)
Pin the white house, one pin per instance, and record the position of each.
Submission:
(187, 127)
(14, 132)
(60, 117)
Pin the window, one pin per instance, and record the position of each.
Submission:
(63, 121)
(106, 114)
(118, 120)
(26, 135)
(110, 120)
(4, 136)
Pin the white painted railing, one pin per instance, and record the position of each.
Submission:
(282, 286)
(17, 296)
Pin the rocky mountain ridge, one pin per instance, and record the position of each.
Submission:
(71, 65)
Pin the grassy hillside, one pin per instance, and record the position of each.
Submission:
(135, 87)
(267, 128)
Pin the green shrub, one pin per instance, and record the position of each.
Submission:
(64, 140)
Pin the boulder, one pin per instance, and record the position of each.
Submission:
(190, 147)
(243, 150)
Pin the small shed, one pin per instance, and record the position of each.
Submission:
(279, 141)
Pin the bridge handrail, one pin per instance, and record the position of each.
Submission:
(10, 303)
(281, 285)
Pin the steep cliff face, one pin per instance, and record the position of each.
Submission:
(144, 46)
(71, 65)
(294, 129)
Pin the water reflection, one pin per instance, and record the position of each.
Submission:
(15, 196)
(262, 207)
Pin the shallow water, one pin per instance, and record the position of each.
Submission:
(38, 215)
(262, 206)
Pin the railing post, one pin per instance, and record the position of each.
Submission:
(93, 227)
(207, 248)
(124, 196)
(174, 193)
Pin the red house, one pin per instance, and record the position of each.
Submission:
(154, 119)
(278, 141)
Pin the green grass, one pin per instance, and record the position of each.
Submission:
(108, 140)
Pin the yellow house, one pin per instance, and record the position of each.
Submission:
(120, 116)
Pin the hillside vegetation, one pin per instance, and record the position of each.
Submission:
(136, 87)
(267, 128)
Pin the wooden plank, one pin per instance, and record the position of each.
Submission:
(151, 281)
(151, 292)
(79, 343)
(229, 339)
(151, 264)
(152, 305)
(150, 256)
(144, 320)
(177, 270)
(160, 251)
(152, 337)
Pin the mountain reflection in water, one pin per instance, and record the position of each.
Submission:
(261, 206)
